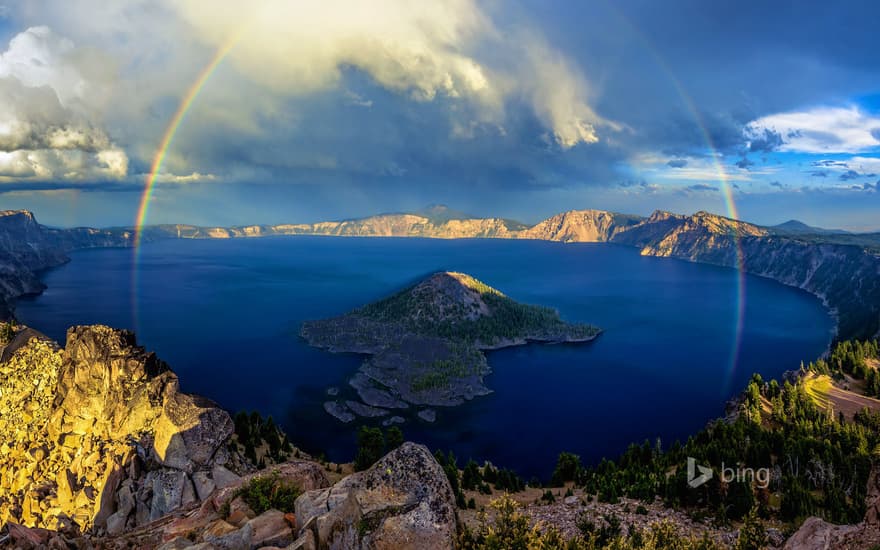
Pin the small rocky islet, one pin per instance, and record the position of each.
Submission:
(425, 344)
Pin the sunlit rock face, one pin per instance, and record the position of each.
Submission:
(99, 435)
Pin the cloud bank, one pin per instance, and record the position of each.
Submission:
(46, 129)
(422, 49)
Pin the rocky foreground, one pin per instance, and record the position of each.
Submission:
(101, 449)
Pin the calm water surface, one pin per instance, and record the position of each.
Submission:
(225, 315)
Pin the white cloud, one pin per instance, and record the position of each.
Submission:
(865, 165)
(46, 132)
(125, 65)
(821, 130)
(417, 48)
(191, 178)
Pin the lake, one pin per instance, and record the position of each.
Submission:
(225, 315)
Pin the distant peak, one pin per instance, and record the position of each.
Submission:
(797, 226)
(659, 215)
(442, 280)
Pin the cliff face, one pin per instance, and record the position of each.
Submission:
(388, 225)
(99, 435)
(582, 226)
(24, 249)
(845, 277)
(27, 247)
(842, 270)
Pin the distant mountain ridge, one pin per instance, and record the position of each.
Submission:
(800, 228)
(842, 269)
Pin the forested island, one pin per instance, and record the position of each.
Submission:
(426, 343)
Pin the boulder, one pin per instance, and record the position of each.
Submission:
(270, 529)
(403, 502)
(189, 431)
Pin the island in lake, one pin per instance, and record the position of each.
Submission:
(426, 344)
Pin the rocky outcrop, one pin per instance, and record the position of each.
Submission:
(403, 502)
(99, 437)
(817, 534)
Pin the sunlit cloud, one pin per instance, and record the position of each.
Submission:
(820, 130)
(46, 130)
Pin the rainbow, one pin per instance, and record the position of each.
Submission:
(723, 179)
(159, 159)
(725, 188)
(171, 130)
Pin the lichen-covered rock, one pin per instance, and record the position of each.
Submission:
(403, 502)
(99, 436)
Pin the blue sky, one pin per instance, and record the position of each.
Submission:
(519, 109)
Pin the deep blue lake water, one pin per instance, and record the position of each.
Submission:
(225, 316)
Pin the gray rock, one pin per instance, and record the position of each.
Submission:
(306, 541)
(203, 484)
(223, 478)
(374, 396)
(125, 499)
(339, 411)
(189, 431)
(393, 420)
(404, 501)
(428, 415)
(236, 540)
(116, 524)
(168, 491)
(365, 410)
(270, 529)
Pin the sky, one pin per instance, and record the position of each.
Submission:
(522, 109)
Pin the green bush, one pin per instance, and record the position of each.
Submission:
(268, 492)
(7, 333)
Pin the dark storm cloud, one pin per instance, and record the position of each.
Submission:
(744, 163)
(849, 175)
(777, 184)
(819, 173)
(677, 163)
